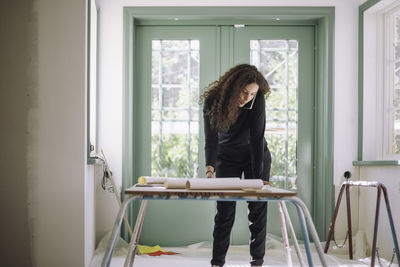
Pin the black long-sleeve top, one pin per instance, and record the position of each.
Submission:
(243, 142)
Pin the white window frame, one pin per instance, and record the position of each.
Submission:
(387, 77)
(376, 87)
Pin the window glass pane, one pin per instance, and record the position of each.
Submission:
(155, 68)
(277, 114)
(175, 115)
(292, 115)
(396, 97)
(156, 44)
(194, 96)
(277, 60)
(395, 87)
(155, 96)
(396, 74)
(397, 28)
(174, 66)
(194, 114)
(272, 65)
(273, 44)
(175, 45)
(92, 86)
(155, 115)
(277, 97)
(194, 44)
(175, 97)
(396, 132)
(293, 72)
(194, 67)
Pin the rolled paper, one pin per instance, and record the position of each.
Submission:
(224, 183)
(175, 183)
(151, 180)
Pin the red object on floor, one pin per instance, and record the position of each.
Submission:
(159, 253)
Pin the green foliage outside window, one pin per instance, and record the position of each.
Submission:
(174, 161)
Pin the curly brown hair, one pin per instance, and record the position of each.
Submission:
(223, 95)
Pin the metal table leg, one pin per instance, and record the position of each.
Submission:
(284, 234)
(114, 235)
(293, 234)
(303, 228)
(136, 235)
(313, 232)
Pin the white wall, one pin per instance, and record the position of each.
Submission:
(46, 194)
(58, 178)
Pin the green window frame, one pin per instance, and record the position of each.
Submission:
(323, 20)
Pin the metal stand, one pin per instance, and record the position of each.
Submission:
(285, 221)
(380, 188)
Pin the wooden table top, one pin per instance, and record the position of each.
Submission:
(160, 191)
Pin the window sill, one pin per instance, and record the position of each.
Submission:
(377, 163)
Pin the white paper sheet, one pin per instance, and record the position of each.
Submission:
(225, 183)
(151, 180)
(175, 183)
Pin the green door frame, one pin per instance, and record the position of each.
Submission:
(323, 20)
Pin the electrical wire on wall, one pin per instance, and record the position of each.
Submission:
(108, 184)
(106, 181)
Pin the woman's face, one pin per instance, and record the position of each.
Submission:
(247, 94)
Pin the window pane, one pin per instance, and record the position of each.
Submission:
(155, 67)
(273, 44)
(397, 28)
(396, 132)
(175, 115)
(277, 60)
(195, 60)
(155, 96)
(395, 87)
(174, 65)
(175, 97)
(272, 65)
(277, 98)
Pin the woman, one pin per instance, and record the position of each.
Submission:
(234, 125)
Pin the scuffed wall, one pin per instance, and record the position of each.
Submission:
(18, 81)
(56, 144)
(46, 194)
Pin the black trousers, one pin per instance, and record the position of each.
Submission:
(225, 216)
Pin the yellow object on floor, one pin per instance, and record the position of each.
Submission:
(154, 251)
(148, 249)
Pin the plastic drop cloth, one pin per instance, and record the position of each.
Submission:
(199, 254)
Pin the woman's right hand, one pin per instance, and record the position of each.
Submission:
(209, 171)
